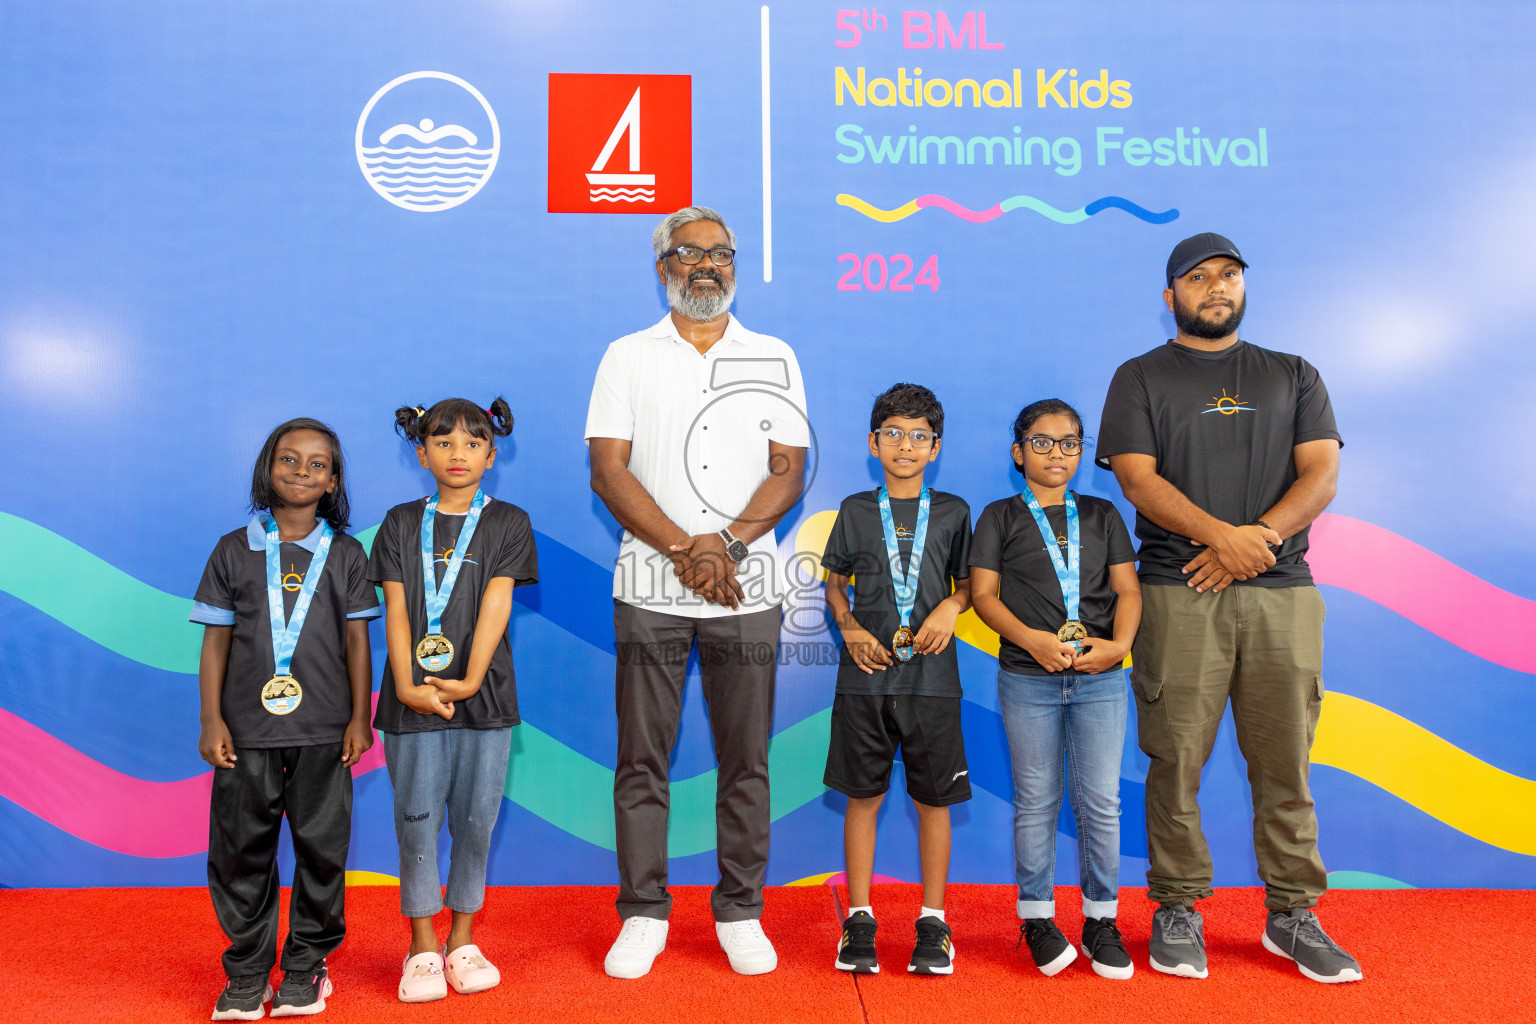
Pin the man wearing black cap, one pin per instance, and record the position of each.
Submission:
(1228, 451)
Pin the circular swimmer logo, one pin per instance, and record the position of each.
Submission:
(427, 141)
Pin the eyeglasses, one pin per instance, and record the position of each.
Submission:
(1041, 444)
(891, 437)
(689, 255)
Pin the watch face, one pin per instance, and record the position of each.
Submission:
(737, 550)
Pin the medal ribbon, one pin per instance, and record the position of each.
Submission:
(1068, 571)
(285, 636)
(905, 583)
(437, 597)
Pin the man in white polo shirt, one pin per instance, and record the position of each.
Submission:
(698, 439)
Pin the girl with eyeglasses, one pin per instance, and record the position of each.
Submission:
(1054, 573)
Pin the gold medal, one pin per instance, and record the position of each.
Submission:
(281, 695)
(901, 643)
(434, 653)
(1072, 632)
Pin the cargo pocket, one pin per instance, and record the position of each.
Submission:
(1317, 688)
(1148, 687)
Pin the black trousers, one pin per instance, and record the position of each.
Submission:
(737, 662)
(309, 786)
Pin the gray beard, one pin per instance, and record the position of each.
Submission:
(685, 302)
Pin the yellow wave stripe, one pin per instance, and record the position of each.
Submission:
(370, 878)
(1368, 741)
(874, 212)
(1420, 768)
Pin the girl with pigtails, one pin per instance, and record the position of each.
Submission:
(447, 564)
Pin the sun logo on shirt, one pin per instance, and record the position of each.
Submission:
(296, 577)
(902, 533)
(1228, 405)
(448, 554)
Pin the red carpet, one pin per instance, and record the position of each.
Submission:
(152, 955)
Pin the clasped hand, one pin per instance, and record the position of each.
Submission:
(1241, 553)
(702, 566)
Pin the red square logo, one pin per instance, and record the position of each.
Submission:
(620, 143)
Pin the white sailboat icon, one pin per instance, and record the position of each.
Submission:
(613, 187)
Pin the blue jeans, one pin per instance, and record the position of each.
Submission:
(1083, 718)
(459, 774)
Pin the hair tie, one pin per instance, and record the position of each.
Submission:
(420, 412)
(491, 413)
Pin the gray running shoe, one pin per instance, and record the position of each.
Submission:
(1178, 942)
(1297, 935)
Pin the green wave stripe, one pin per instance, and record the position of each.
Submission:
(570, 791)
(98, 600)
(575, 794)
(1043, 208)
(95, 598)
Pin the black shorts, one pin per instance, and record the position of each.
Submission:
(868, 728)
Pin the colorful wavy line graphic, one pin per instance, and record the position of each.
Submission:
(1420, 768)
(1008, 205)
(54, 781)
(1426, 589)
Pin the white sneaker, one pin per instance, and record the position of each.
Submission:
(635, 949)
(746, 946)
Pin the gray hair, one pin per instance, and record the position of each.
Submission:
(661, 238)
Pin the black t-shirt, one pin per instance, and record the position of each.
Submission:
(856, 548)
(233, 592)
(1222, 426)
(502, 546)
(1008, 542)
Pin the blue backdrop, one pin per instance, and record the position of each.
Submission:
(191, 252)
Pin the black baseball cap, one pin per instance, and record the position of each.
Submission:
(1196, 249)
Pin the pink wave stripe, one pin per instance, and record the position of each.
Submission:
(945, 203)
(1426, 589)
(104, 807)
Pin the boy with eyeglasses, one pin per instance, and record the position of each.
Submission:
(907, 549)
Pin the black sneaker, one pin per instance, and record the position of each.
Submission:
(1050, 948)
(856, 951)
(302, 992)
(1297, 935)
(1103, 945)
(935, 952)
(242, 998)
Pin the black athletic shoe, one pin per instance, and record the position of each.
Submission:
(935, 953)
(856, 951)
(1103, 945)
(242, 998)
(302, 992)
(1050, 948)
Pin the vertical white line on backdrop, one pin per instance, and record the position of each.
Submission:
(767, 160)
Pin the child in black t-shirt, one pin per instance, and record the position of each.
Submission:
(898, 683)
(448, 701)
(284, 680)
(1054, 574)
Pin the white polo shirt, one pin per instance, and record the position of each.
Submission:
(698, 427)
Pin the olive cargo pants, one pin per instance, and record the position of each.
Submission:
(1262, 649)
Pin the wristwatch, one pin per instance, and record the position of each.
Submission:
(735, 549)
(1260, 522)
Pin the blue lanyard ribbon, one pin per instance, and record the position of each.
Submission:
(1068, 570)
(437, 597)
(285, 635)
(905, 583)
